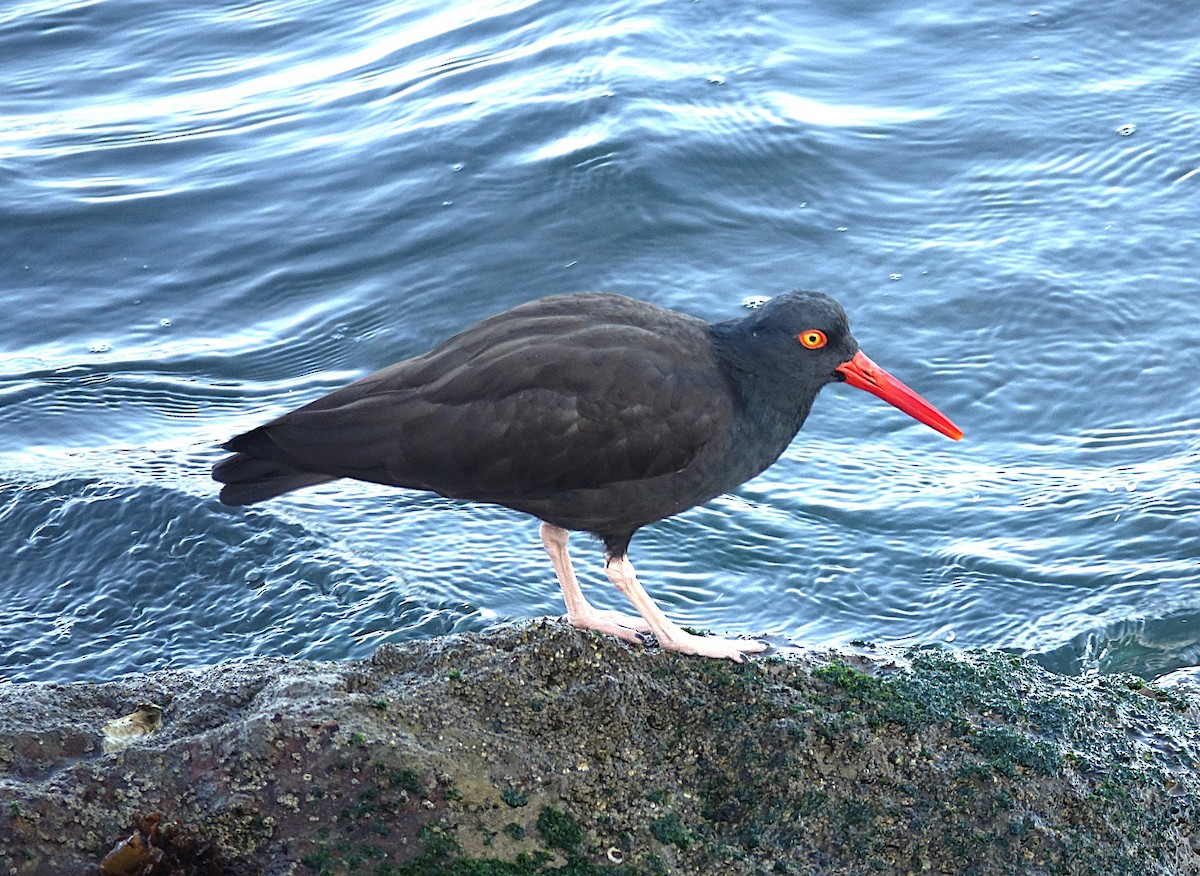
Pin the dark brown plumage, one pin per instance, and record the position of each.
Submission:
(592, 412)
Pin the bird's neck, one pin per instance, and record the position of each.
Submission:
(771, 407)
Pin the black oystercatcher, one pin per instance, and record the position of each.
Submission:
(592, 412)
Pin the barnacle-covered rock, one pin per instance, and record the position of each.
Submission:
(538, 748)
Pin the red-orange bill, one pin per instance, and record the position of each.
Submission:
(861, 372)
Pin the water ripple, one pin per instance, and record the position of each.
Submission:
(202, 233)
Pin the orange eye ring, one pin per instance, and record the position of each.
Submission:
(814, 339)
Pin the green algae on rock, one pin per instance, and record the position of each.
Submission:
(539, 749)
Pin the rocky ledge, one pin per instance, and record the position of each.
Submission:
(542, 750)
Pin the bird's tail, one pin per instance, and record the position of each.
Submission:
(250, 478)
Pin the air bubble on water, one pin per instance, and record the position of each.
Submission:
(100, 347)
(1126, 130)
(753, 302)
(165, 323)
(893, 277)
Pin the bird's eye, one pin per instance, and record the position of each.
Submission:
(814, 339)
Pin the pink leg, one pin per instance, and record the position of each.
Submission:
(670, 636)
(580, 612)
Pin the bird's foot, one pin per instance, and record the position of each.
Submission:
(711, 646)
(625, 627)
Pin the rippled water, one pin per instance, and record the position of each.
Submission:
(211, 214)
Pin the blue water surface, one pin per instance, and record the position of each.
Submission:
(211, 213)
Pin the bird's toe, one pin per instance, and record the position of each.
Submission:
(599, 623)
(712, 646)
(629, 621)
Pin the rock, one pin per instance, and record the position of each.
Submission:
(539, 749)
(142, 721)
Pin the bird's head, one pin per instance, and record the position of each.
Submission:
(809, 335)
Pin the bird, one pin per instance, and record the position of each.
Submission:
(592, 412)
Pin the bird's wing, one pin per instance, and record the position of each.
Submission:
(516, 411)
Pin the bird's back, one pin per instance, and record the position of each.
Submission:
(558, 404)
